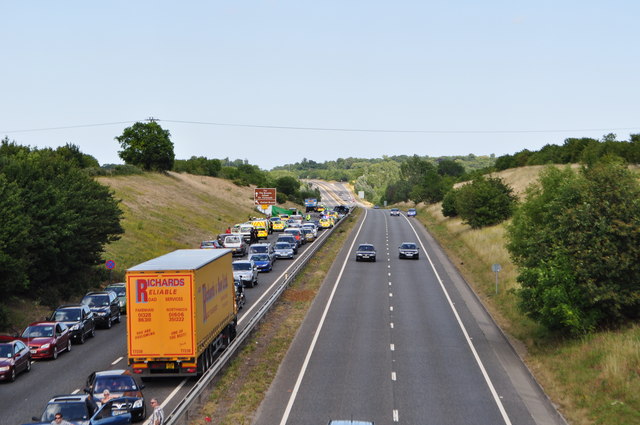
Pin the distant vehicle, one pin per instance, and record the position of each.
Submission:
(236, 243)
(79, 320)
(297, 233)
(366, 252)
(246, 271)
(105, 307)
(214, 244)
(408, 250)
(325, 223)
(284, 250)
(15, 357)
(375, 207)
(394, 212)
(411, 212)
(311, 226)
(290, 239)
(349, 422)
(341, 209)
(277, 224)
(263, 248)
(309, 235)
(263, 262)
(120, 383)
(81, 409)
(46, 339)
(120, 289)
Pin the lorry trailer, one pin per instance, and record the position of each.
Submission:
(181, 312)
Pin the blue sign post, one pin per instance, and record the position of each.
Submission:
(110, 264)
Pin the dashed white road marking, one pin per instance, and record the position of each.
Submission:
(393, 347)
(396, 416)
(116, 360)
(393, 376)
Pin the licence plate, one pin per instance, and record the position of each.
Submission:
(171, 366)
(33, 351)
(118, 412)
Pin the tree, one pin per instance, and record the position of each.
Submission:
(576, 240)
(287, 185)
(484, 202)
(148, 146)
(449, 167)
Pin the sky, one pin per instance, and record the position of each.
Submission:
(274, 82)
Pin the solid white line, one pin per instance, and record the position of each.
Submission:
(76, 391)
(487, 379)
(296, 387)
(116, 360)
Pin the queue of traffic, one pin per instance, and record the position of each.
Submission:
(77, 323)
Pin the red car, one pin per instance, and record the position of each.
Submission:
(47, 339)
(14, 358)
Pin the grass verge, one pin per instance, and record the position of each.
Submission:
(242, 385)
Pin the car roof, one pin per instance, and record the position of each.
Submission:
(69, 398)
(113, 372)
(62, 307)
(43, 322)
(365, 244)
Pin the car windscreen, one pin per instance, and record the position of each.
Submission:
(115, 384)
(259, 249)
(6, 351)
(119, 290)
(232, 239)
(37, 332)
(66, 315)
(408, 246)
(96, 300)
(70, 411)
(241, 266)
(365, 248)
(283, 245)
(260, 257)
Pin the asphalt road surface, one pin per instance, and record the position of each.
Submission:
(401, 342)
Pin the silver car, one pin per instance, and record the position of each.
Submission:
(246, 272)
(284, 250)
(366, 252)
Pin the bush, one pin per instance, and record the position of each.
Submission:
(484, 202)
(449, 204)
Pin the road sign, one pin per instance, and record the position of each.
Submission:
(110, 264)
(265, 196)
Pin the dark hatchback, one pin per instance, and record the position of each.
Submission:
(120, 383)
(105, 307)
(15, 357)
(79, 320)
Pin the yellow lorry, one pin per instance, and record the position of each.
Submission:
(181, 312)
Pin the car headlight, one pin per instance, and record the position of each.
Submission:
(75, 327)
(45, 346)
(4, 368)
(138, 403)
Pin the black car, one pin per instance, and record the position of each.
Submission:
(105, 307)
(366, 251)
(120, 289)
(79, 319)
(120, 383)
(408, 250)
(81, 409)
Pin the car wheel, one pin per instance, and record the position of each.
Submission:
(109, 322)
(93, 331)
(118, 317)
(417, 256)
(12, 378)
(374, 259)
(69, 345)
(28, 368)
(55, 353)
(81, 339)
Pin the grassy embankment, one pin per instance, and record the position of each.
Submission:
(594, 379)
(162, 213)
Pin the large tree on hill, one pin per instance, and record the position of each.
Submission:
(148, 146)
(576, 240)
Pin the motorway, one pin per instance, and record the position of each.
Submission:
(26, 397)
(401, 342)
